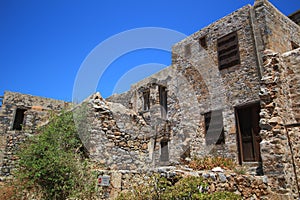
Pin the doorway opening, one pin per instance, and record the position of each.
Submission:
(247, 120)
(164, 148)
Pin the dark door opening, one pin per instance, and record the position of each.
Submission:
(164, 151)
(19, 118)
(247, 118)
(146, 97)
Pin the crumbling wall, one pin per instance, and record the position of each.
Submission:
(182, 119)
(123, 99)
(114, 136)
(280, 97)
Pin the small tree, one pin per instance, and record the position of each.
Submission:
(51, 160)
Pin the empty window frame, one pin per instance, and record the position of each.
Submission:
(19, 119)
(214, 129)
(163, 101)
(202, 42)
(228, 51)
(146, 99)
(164, 151)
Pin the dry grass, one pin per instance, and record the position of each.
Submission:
(208, 163)
(8, 191)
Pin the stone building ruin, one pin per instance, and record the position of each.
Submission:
(232, 90)
(20, 116)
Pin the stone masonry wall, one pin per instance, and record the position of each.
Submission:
(32, 104)
(249, 187)
(280, 96)
(226, 88)
(114, 136)
(183, 112)
(276, 29)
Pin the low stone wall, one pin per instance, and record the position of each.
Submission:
(249, 187)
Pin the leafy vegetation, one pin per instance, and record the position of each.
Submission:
(53, 162)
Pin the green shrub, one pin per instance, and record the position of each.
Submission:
(185, 188)
(52, 161)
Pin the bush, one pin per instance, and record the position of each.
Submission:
(52, 161)
(186, 188)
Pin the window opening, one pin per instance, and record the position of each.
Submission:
(163, 101)
(214, 129)
(294, 45)
(146, 98)
(228, 51)
(202, 42)
(19, 119)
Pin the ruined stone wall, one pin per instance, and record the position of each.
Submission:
(123, 99)
(280, 97)
(182, 117)
(114, 136)
(276, 29)
(37, 113)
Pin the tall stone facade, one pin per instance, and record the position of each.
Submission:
(232, 91)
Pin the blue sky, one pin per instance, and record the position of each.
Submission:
(44, 43)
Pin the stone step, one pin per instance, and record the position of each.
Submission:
(254, 168)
